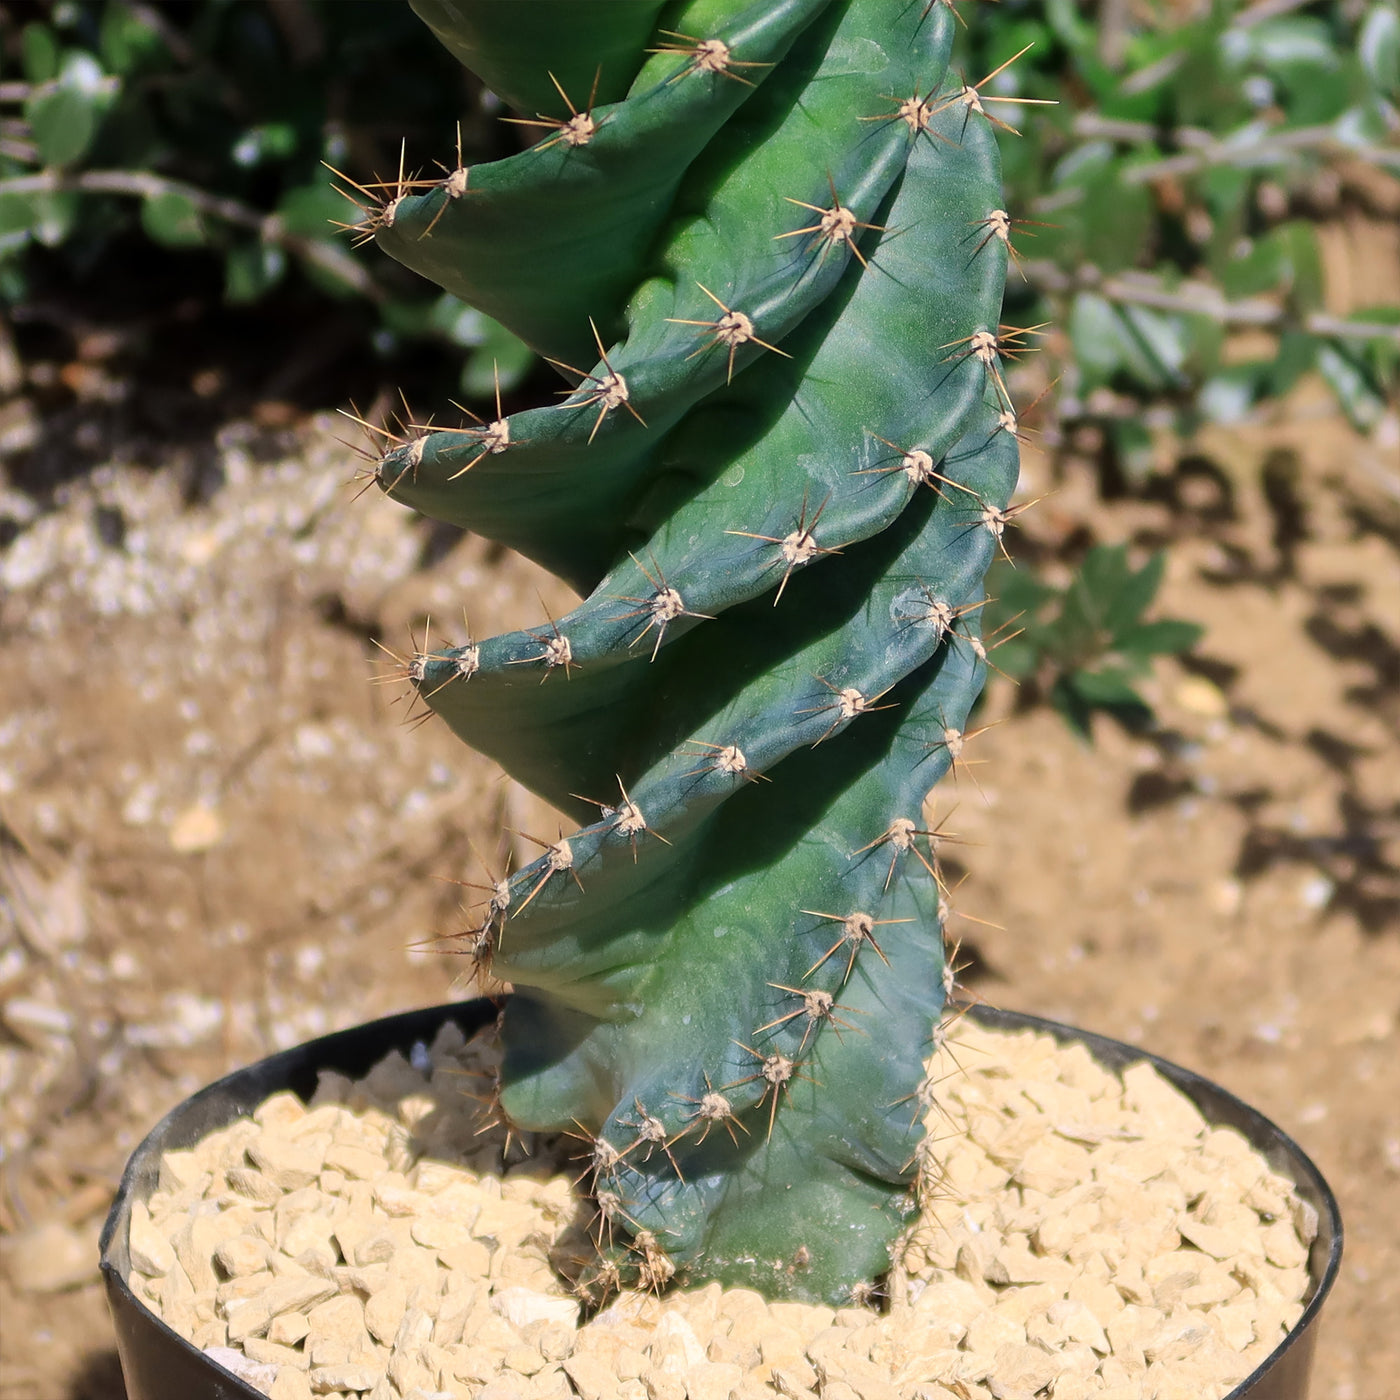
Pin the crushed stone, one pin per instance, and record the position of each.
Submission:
(1089, 1237)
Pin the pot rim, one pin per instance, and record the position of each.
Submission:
(358, 1048)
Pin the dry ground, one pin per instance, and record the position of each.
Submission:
(215, 840)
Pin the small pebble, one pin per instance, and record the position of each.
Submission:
(345, 1263)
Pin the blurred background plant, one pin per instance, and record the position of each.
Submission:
(1175, 191)
(166, 217)
(1084, 646)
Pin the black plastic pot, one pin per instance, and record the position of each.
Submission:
(159, 1365)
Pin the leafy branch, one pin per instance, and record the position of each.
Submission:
(1086, 645)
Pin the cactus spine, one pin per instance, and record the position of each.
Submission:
(764, 253)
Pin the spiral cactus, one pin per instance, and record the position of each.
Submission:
(764, 243)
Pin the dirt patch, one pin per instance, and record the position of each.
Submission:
(217, 841)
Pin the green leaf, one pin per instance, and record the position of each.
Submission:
(324, 273)
(1297, 351)
(1346, 375)
(126, 42)
(1133, 446)
(1165, 637)
(1378, 47)
(1230, 394)
(172, 220)
(1014, 598)
(1133, 595)
(1254, 267)
(259, 144)
(1290, 42)
(1109, 687)
(1133, 342)
(47, 217)
(501, 358)
(1017, 658)
(39, 47)
(309, 211)
(64, 115)
(1285, 260)
(1076, 712)
(457, 322)
(251, 269)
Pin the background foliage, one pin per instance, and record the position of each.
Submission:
(1166, 202)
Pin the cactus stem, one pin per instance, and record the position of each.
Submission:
(817, 1006)
(733, 329)
(835, 225)
(498, 886)
(494, 437)
(599, 1160)
(953, 742)
(776, 1070)
(901, 836)
(626, 817)
(914, 462)
(661, 609)
(728, 759)
(940, 614)
(918, 466)
(651, 1133)
(609, 1205)
(915, 111)
(949, 5)
(610, 390)
(380, 453)
(857, 929)
(971, 97)
(981, 650)
(848, 704)
(558, 858)
(453, 184)
(655, 1270)
(1009, 420)
(477, 943)
(996, 520)
(711, 1108)
(379, 210)
(493, 1116)
(706, 56)
(999, 225)
(557, 651)
(577, 130)
(796, 548)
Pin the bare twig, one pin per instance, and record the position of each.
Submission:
(1205, 150)
(1267, 9)
(142, 184)
(1202, 299)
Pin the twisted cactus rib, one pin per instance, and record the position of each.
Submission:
(769, 270)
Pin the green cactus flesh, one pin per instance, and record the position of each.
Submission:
(772, 262)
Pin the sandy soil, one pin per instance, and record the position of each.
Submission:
(216, 841)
